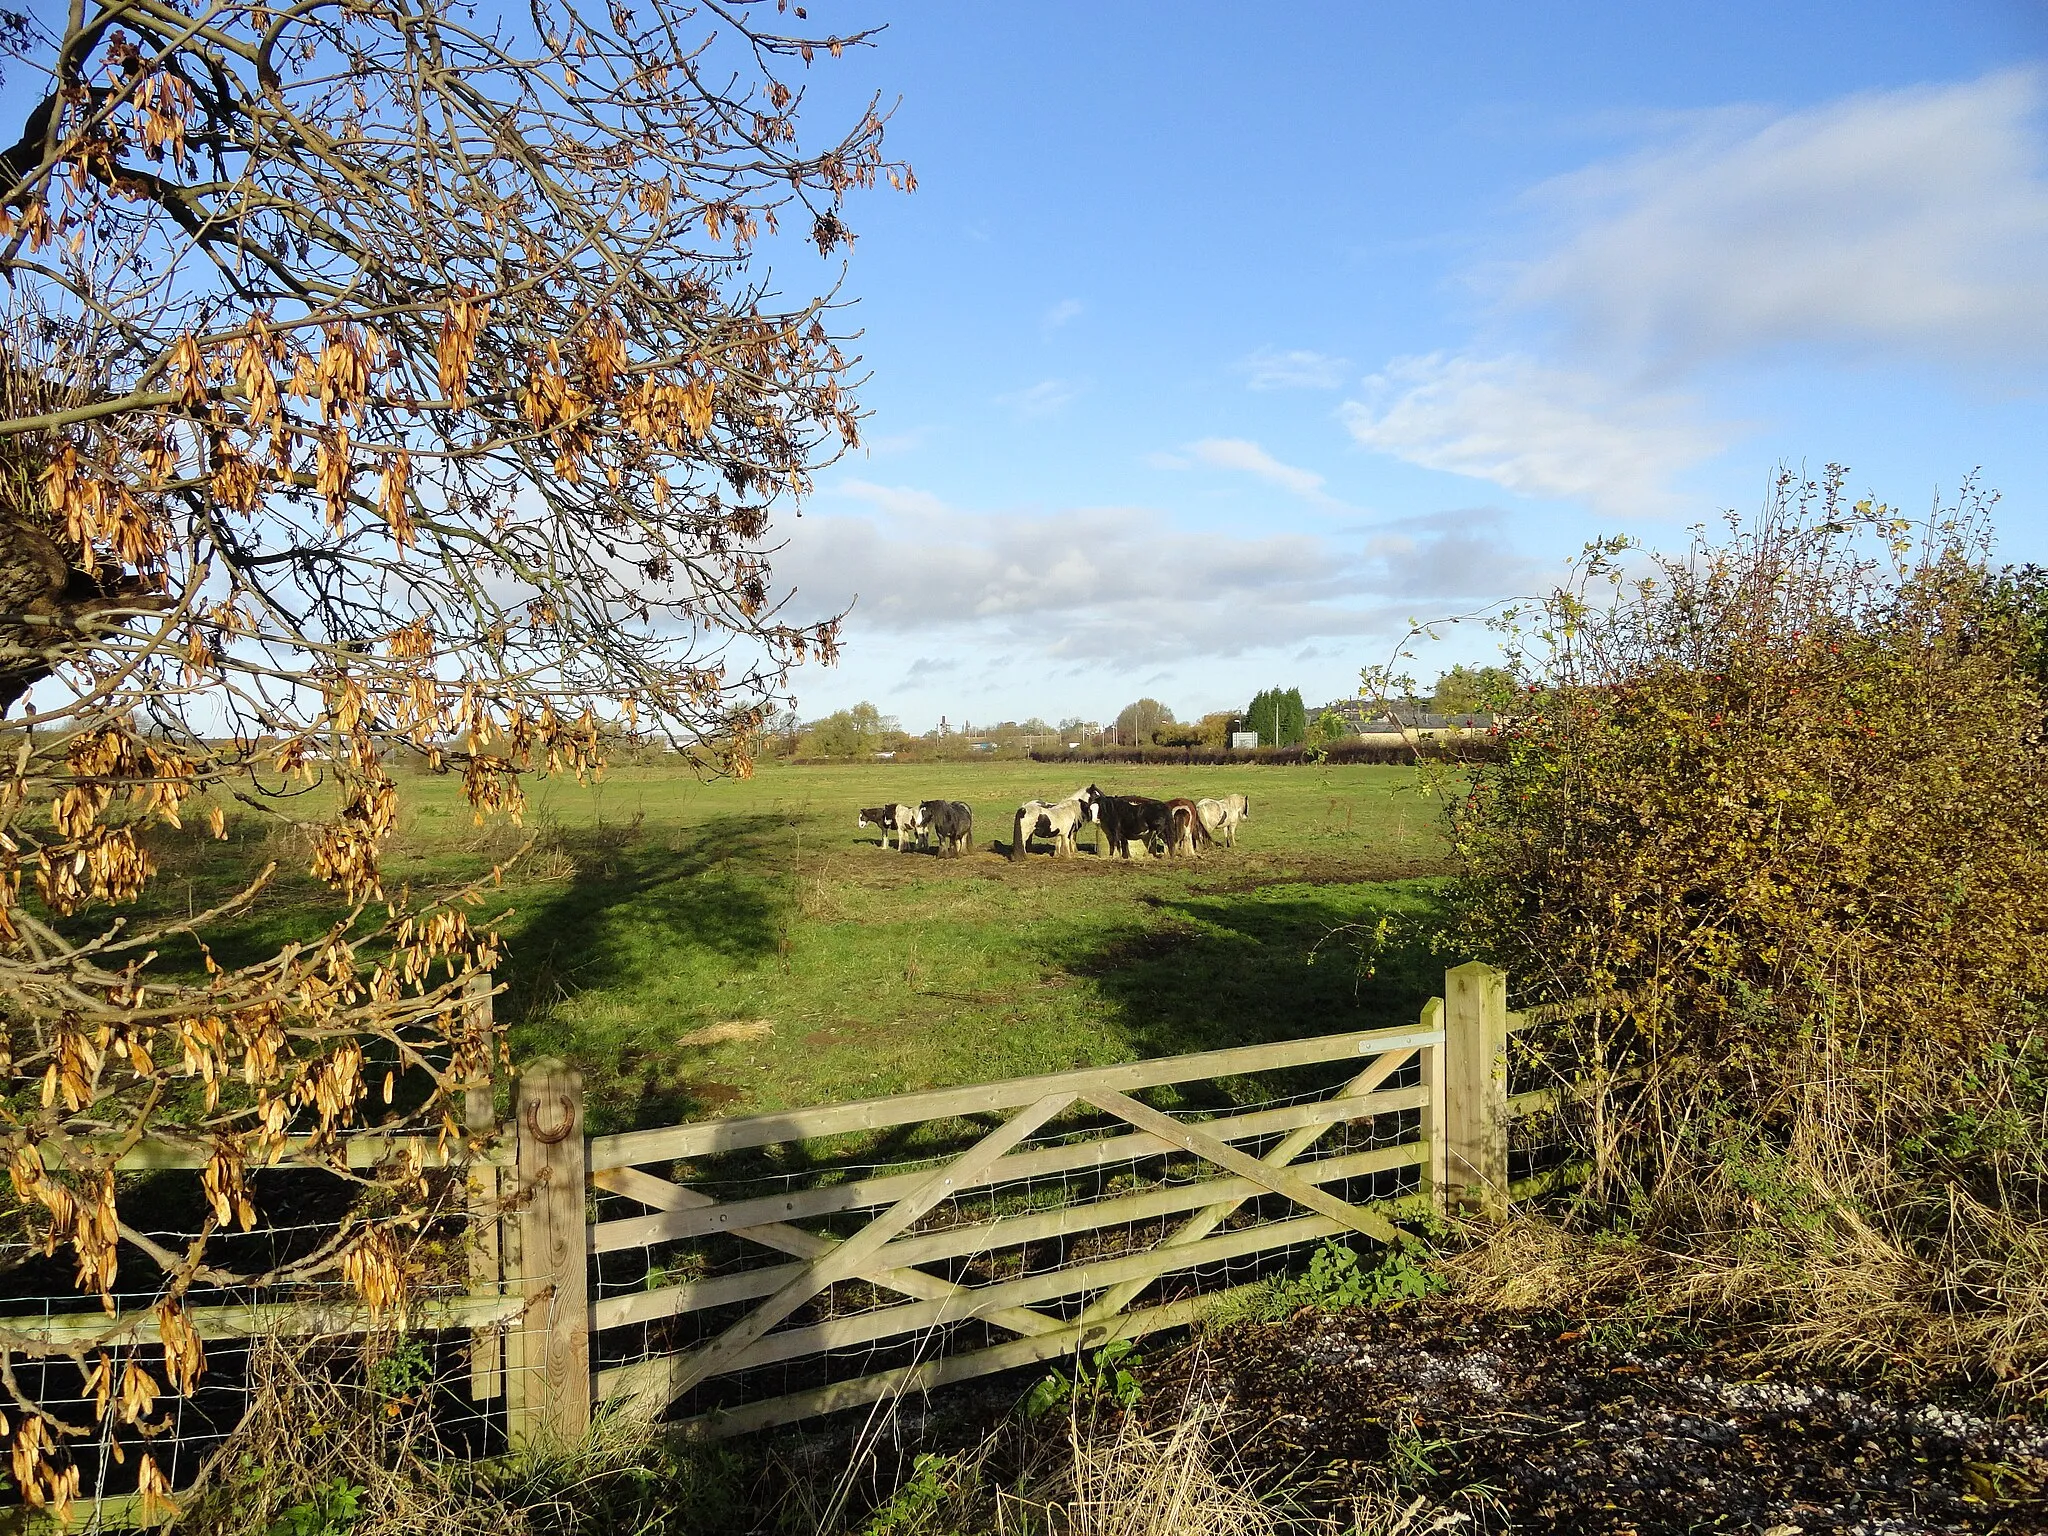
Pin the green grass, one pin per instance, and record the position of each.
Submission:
(658, 908)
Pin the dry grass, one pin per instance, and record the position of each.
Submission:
(1172, 1469)
(1863, 1217)
(320, 1450)
(1120, 1477)
(726, 1032)
(1122, 1480)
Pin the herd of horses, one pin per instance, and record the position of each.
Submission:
(1179, 826)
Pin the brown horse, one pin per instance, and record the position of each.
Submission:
(1185, 829)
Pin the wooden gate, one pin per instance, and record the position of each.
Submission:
(742, 1273)
(754, 1271)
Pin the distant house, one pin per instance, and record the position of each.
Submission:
(1356, 714)
(1424, 720)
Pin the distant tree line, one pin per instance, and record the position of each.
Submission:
(1277, 715)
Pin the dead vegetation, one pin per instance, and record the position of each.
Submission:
(342, 1439)
(1782, 799)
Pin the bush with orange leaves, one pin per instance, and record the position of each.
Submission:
(376, 381)
(1787, 797)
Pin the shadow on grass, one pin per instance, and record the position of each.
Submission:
(1210, 972)
(1244, 969)
(636, 908)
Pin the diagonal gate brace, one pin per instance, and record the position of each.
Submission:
(846, 1261)
(796, 1242)
(1278, 1180)
(1206, 1220)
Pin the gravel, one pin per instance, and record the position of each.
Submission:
(1530, 1427)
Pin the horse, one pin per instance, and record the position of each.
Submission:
(1220, 818)
(900, 819)
(1123, 817)
(1058, 820)
(951, 822)
(1185, 822)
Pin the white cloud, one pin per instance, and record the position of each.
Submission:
(902, 500)
(1247, 457)
(1122, 585)
(1270, 368)
(1911, 221)
(1534, 430)
(890, 444)
(1059, 314)
(1045, 398)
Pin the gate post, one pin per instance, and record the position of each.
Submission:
(480, 1120)
(1476, 1090)
(547, 1389)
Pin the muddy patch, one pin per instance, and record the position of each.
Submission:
(709, 1097)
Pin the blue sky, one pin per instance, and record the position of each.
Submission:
(1219, 340)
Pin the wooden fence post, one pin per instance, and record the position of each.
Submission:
(547, 1385)
(1476, 1090)
(480, 1120)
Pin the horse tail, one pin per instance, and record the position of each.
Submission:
(1017, 835)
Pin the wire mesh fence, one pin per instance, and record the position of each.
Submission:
(1076, 1221)
(745, 1272)
(72, 1354)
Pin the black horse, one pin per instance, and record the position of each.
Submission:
(951, 822)
(1124, 817)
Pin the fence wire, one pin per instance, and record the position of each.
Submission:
(998, 1259)
(422, 1371)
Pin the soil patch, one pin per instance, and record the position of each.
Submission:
(1528, 1427)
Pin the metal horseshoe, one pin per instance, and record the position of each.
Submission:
(561, 1133)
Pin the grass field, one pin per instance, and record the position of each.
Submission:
(702, 949)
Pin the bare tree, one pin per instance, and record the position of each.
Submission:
(378, 379)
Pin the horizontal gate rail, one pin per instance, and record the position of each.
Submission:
(739, 1216)
(629, 1148)
(63, 1333)
(990, 1237)
(366, 1149)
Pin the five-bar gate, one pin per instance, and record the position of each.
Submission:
(747, 1272)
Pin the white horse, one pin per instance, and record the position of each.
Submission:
(1220, 818)
(1057, 820)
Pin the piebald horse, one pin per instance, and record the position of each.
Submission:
(1055, 820)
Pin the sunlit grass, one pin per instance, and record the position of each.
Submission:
(655, 907)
